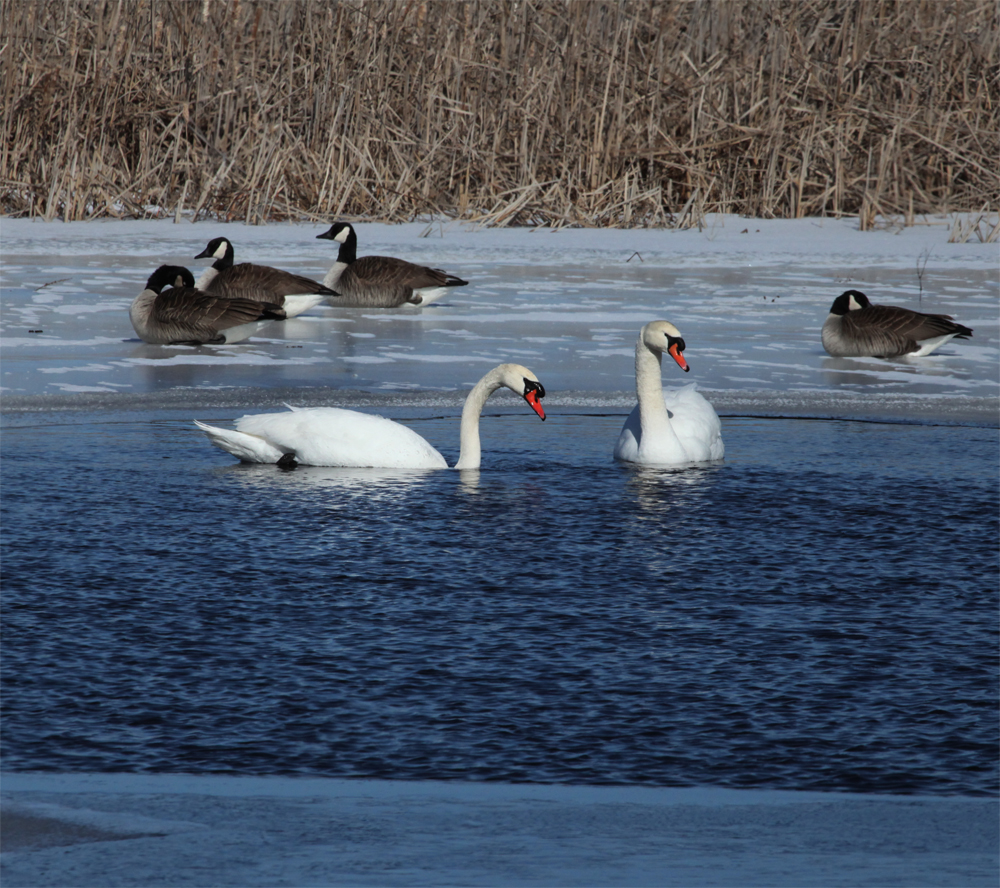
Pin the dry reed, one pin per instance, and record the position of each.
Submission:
(508, 112)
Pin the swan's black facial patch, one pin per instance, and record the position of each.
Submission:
(531, 386)
(676, 340)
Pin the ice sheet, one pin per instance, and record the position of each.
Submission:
(749, 296)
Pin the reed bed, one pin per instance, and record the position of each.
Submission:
(507, 112)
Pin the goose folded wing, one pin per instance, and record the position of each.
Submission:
(911, 324)
(192, 307)
(263, 283)
(880, 330)
(387, 271)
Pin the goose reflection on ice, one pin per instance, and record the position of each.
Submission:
(858, 372)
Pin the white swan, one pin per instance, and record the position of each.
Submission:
(331, 436)
(667, 428)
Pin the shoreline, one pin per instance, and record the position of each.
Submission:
(170, 829)
(818, 405)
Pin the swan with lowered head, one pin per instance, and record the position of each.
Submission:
(667, 428)
(331, 436)
(184, 315)
(380, 281)
(293, 292)
(857, 329)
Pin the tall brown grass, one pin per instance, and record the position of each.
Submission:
(509, 112)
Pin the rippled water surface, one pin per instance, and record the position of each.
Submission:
(820, 611)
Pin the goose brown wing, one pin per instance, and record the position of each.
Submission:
(262, 283)
(878, 330)
(207, 313)
(387, 271)
(912, 325)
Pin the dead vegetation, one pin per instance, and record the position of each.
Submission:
(506, 112)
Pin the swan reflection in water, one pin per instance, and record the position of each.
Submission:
(672, 489)
(373, 484)
(667, 519)
(469, 480)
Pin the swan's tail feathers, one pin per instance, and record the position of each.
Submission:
(295, 305)
(245, 447)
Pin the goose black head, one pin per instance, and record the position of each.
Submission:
(218, 248)
(339, 231)
(169, 275)
(849, 300)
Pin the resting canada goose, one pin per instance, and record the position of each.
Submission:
(380, 281)
(330, 436)
(667, 428)
(184, 315)
(293, 292)
(857, 329)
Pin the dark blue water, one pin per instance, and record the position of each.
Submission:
(820, 612)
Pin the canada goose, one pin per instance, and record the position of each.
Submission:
(330, 436)
(380, 281)
(293, 292)
(857, 329)
(184, 315)
(667, 428)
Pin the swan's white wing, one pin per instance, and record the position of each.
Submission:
(627, 448)
(330, 436)
(695, 423)
(249, 448)
(664, 448)
(697, 432)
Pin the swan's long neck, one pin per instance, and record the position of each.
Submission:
(653, 418)
(470, 452)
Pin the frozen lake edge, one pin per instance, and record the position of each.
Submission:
(917, 409)
(162, 829)
(749, 295)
